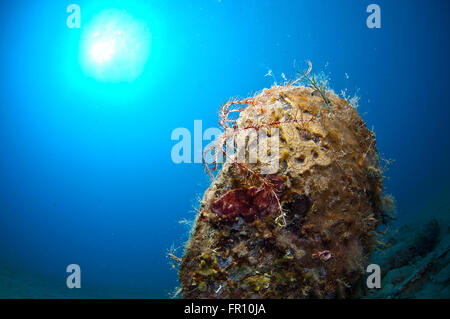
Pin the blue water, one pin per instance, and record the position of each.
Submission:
(86, 175)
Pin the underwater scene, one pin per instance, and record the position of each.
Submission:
(224, 149)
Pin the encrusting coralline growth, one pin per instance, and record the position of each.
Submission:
(304, 230)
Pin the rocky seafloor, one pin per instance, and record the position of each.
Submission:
(415, 261)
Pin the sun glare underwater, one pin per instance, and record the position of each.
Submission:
(114, 46)
(91, 115)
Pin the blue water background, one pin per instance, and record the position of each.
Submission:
(86, 175)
